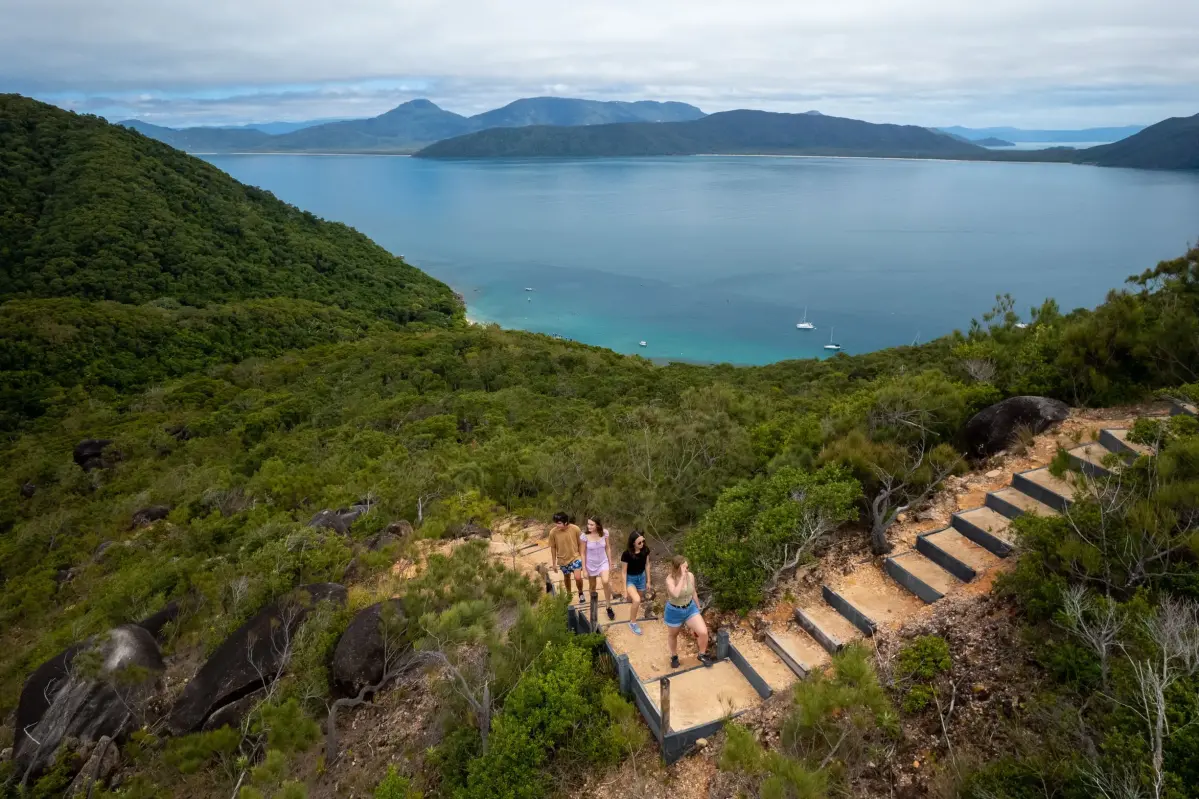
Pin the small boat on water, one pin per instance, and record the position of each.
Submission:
(527, 288)
(805, 324)
(831, 345)
(644, 344)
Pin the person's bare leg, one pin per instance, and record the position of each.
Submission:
(672, 640)
(635, 602)
(700, 630)
(578, 581)
(606, 579)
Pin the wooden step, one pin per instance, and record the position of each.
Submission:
(955, 553)
(649, 653)
(1094, 460)
(1013, 503)
(764, 659)
(828, 627)
(985, 527)
(801, 652)
(1046, 488)
(921, 576)
(869, 597)
(1116, 439)
(704, 695)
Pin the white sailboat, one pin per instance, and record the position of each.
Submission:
(831, 345)
(644, 344)
(805, 324)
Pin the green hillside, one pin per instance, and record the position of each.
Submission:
(1170, 144)
(231, 418)
(95, 211)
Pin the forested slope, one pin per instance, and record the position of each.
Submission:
(95, 211)
(214, 464)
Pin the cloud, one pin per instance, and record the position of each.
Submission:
(1036, 62)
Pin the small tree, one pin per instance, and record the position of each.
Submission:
(760, 530)
(896, 478)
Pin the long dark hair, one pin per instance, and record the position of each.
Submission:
(633, 536)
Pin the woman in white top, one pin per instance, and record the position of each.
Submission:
(597, 559)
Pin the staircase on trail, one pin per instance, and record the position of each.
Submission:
(849, 607)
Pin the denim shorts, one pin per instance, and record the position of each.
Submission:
(636, 580)
(572, 567)
(675, 616)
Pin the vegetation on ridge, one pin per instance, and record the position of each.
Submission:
(444, 424)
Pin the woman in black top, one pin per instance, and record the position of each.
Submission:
(636, 575)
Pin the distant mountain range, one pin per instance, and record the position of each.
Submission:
(410, 126)
(564, 127)
(1021, 135)
(731, 132)
(1171, 144)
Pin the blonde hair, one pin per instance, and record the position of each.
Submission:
(676, 565)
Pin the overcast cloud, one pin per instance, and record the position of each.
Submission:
(1034, 63)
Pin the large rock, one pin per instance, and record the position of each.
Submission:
(153, 624)
(468, 530)
(104, 760)
(89, 453)
(362, 652)
(147, 516)
(46, 680)
(994, 428)
(234, 713)
(250, 658)
(88, 703)
(338, 520)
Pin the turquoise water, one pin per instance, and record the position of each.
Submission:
(715, 258)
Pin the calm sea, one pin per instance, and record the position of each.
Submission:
(716, 258)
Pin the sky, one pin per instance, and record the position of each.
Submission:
(1026, 63)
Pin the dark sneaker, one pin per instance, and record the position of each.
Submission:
(706, 659)
(582, 599)
(674, 661)
(611, 614)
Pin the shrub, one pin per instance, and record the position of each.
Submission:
(395, 786)
(560, 711)
(761, 528)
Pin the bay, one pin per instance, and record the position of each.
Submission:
(715, 258)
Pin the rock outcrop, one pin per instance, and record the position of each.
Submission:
(93, 691)
(338, 520)
(994, 428)
(468, 530)
(147, 516)
(89, 453)
(250, 658)
(101, 764)
(363, 651)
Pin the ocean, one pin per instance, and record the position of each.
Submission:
(716, 258)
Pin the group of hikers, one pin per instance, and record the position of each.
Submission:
(577, 553)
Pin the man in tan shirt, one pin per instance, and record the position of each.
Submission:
(564, 550)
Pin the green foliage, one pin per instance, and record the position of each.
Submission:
(287, 727)
(835, 721)
(559, 717)
(189, 753)
(924, 658)
(780, 777)
(760, 527)
(395, 786)
(1092, 588)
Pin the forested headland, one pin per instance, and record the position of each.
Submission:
(242, 366)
